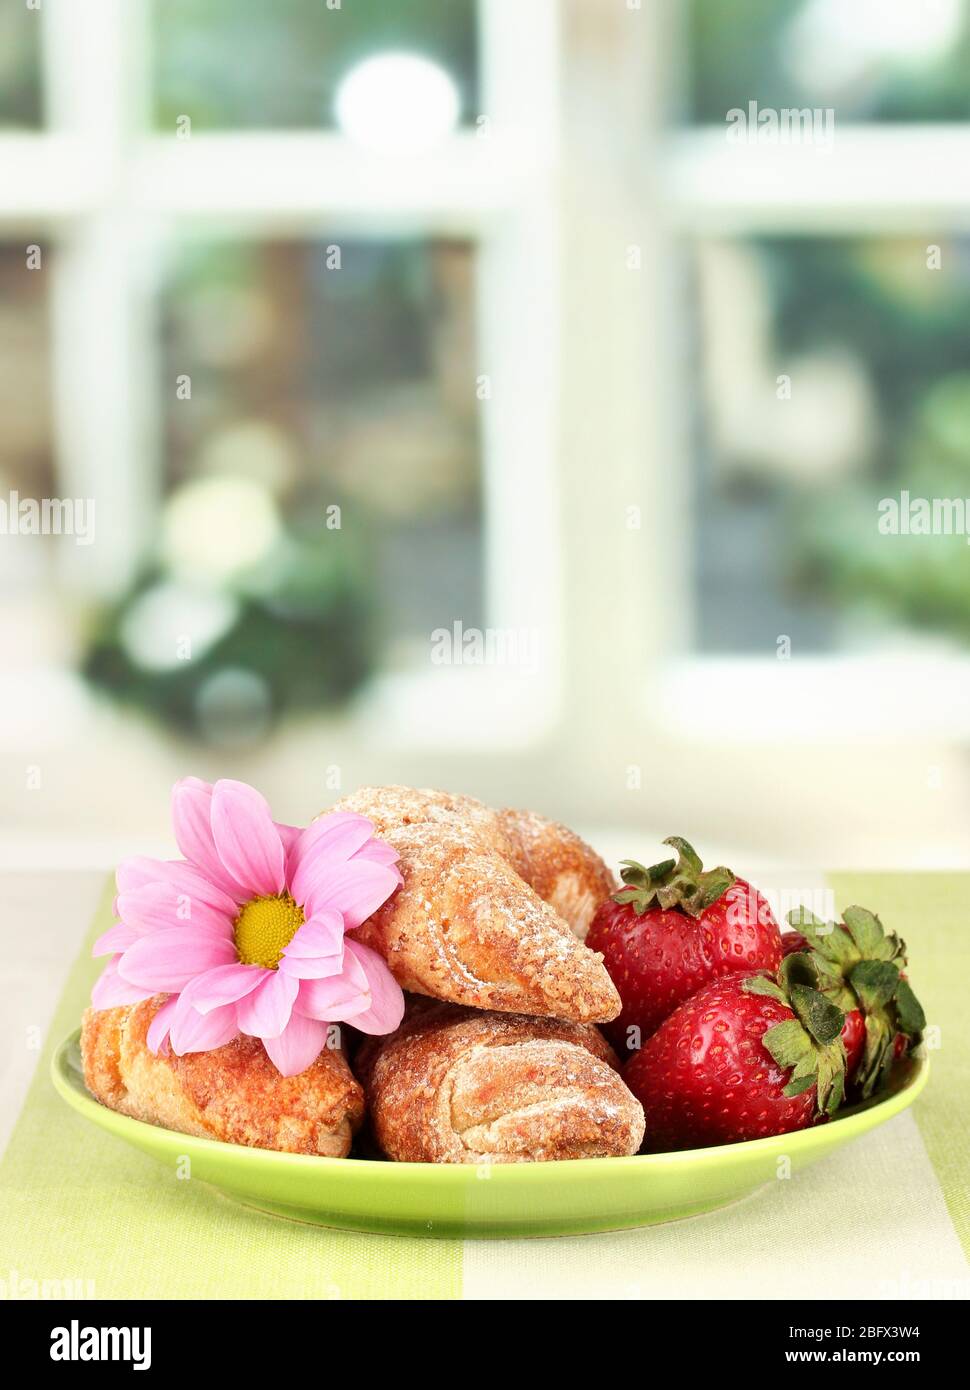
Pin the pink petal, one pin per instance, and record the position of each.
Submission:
(166, 961)
(136, 872)
(266, 1012)
(317, 949)
(157, 1037)
(195, 1032)
(381, 853)
(192, 821)
(189, 881)
(158, 906)
(110, 989)
(289, 834)
(387, 997)
(320, 935)
(311, 967)
(337, 1000)
(224, 984)
(330, 839)
(298, 1046)
(355, 889)
(246, 839)
(116, 939)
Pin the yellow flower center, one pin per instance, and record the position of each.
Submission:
(264, 928)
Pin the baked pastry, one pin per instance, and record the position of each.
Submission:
(562, 868)
(453, 1085)
(233, 1093)
(466, 926)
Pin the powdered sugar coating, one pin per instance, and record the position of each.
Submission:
(465, 926)
(459, 1086)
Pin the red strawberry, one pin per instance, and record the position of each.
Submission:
(861, 970)
(747, 1056)
(853, 1040)
(672, 929)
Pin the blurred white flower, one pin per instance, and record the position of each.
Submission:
(214, 528)
(171, 623)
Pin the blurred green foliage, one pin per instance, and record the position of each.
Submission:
(21, 97)
(303, 638)
(313, 384)
(812, 546)
(250, 64)
(755, 50)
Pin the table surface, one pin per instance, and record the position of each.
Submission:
(881, 1225)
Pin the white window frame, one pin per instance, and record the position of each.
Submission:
(879, 180)
(578, 166)
(109, 190)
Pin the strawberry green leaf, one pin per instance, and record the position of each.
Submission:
(877, 1054)
(865, 929)
(763, 984)
(909, 1011)
(875, 982)
(800, 1084)
(686, 853)
(639, 876)
(859, 966)
(787, 1042)
(633, 897)
(801, 968)
(830, 940)
(809, 1043)
(805, 921)
(682, 883)
(836, 1093)
(807, 1066)
(821, 1017)
(714, 884)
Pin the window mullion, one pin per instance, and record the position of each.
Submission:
(103, 336)
(875, 179)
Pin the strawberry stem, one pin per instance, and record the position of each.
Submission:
(681, 884)
(860, 966)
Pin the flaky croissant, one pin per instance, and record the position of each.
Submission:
(563, 869)
(233, 1093)
(454, 1085)
(466, 926)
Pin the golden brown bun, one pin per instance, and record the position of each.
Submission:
(465, 926)
(453, 1085)
(562, 868)
(233, 1093)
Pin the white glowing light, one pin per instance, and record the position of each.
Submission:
(214, 528)
(833, 42)
(170, 623)
(397, 103)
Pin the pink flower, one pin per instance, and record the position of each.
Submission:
(246, 933)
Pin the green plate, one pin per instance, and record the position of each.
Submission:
(517, 1199)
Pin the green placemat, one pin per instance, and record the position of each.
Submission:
(90, 1216)
(929, 912)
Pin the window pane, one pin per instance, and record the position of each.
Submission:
(836, 377)
(323, 510)
(20, 81)
(247, 64)
(867, 59)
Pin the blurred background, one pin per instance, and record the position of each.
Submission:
(460, 407)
